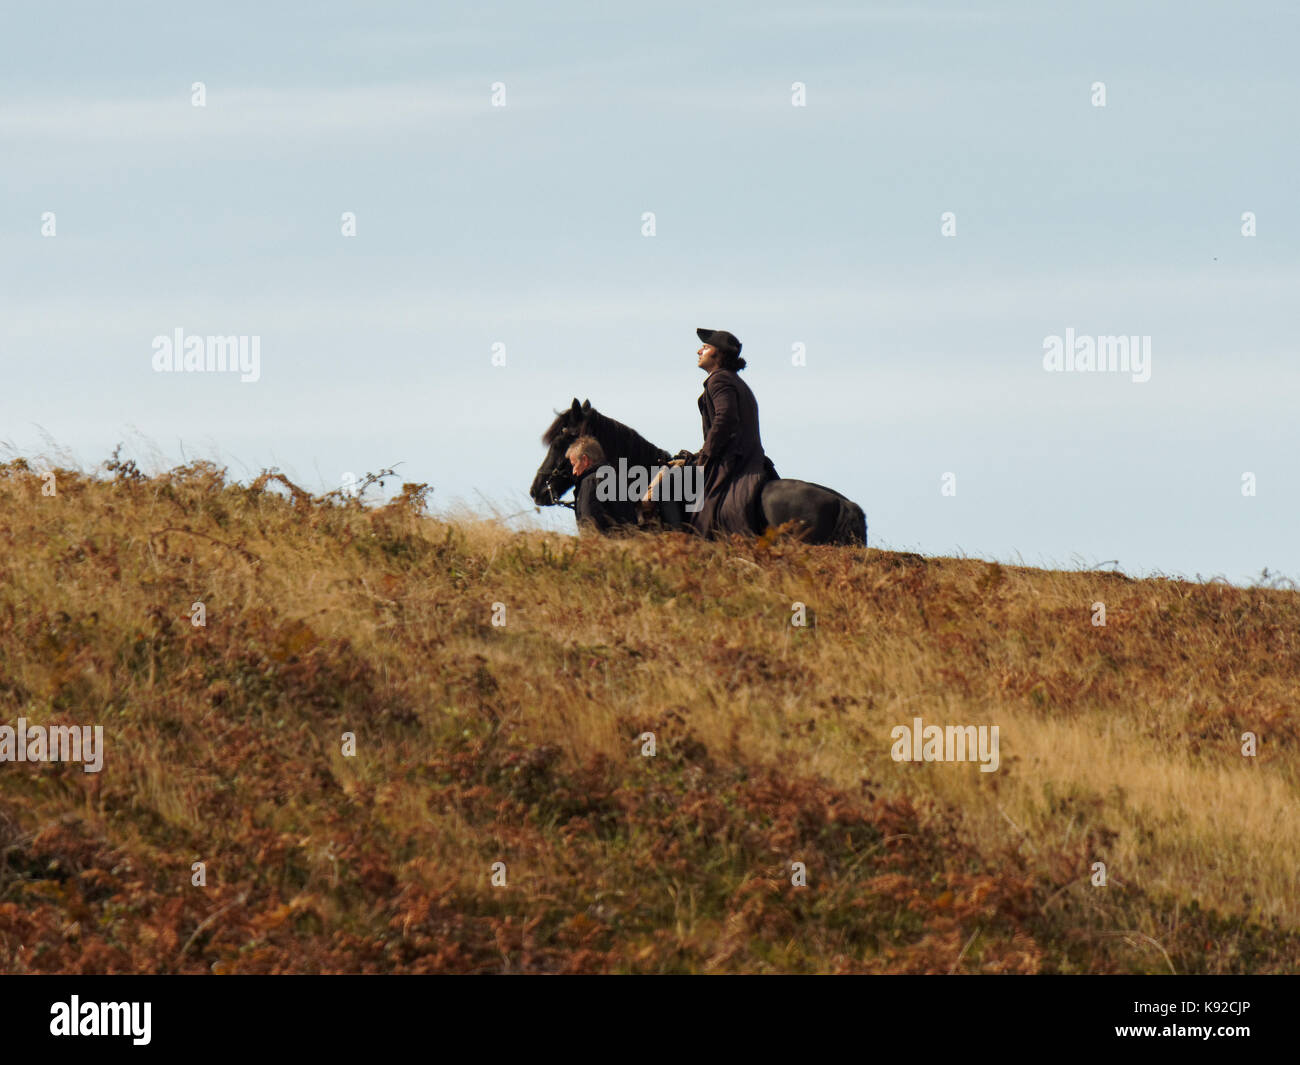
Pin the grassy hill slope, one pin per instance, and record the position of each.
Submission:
(520, 743)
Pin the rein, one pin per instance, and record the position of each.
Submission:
(649, 492)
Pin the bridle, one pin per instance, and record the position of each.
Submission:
(555, 501)
(555, 475)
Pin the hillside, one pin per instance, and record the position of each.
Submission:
(521, 743)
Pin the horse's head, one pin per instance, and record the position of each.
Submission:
(555, 474)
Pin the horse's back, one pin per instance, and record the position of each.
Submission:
(826, 516)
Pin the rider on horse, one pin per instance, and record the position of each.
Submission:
(735, 465)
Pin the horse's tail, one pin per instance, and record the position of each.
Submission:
(851, 525)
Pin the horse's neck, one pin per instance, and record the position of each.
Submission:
(619, 441)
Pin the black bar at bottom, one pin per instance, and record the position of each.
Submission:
(337, 1015)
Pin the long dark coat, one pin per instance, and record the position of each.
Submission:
(735, 465)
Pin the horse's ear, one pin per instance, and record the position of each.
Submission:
(586, 404)
(577, 409)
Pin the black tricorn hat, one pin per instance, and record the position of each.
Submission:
(725, 342)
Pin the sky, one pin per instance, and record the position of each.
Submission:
(499, 161)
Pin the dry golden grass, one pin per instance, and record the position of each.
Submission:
(479, 743)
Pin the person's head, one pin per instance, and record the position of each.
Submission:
(720, 350)
(585, 454)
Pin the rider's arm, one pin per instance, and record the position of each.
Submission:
(726, 419)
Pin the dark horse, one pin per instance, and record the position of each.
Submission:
(823, 516)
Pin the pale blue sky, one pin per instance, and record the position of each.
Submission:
(818, 225)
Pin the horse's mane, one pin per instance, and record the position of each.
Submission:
(618, 439)
(615, 438)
